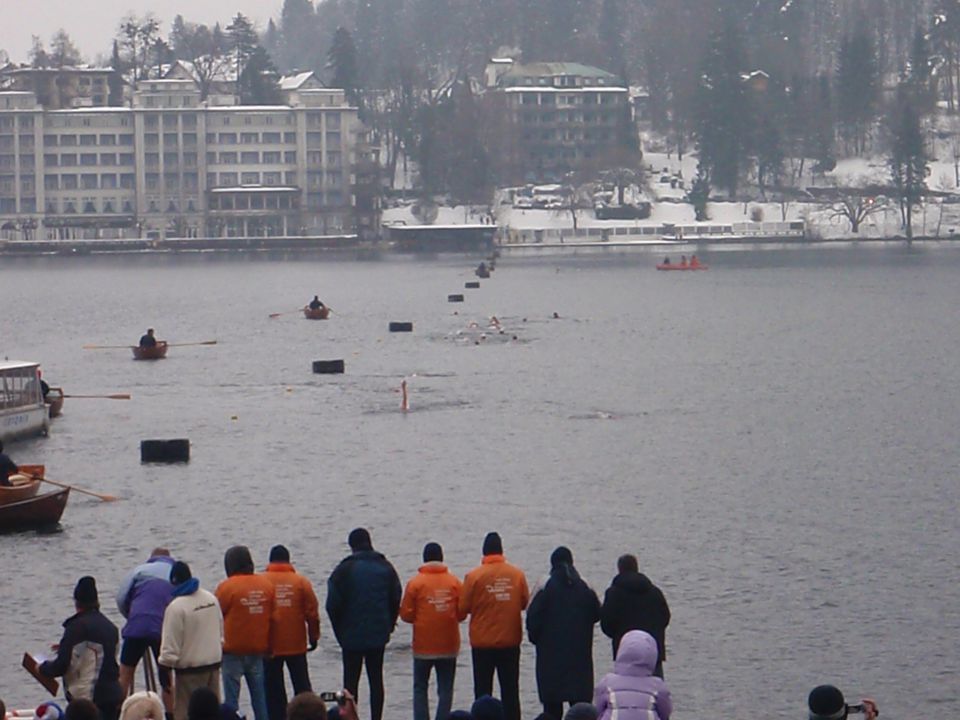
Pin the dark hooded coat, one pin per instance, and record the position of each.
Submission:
(632, 602)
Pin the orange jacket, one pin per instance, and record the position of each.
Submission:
(430, 602)
(246, 602)
(495, 594)
(296, 607)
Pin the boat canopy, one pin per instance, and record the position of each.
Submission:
(19, 385)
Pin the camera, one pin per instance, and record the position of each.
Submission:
(338, 697)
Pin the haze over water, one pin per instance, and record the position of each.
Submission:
(775, 439)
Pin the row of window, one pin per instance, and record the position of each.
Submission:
(88, 205)
(110, 181)
(568, 117)
(271, 157)
(8, 206)
(7, 142)
(253, 202)
(85, 159)
(189, 139)
(232, 179)
(8, 184)
(105, 139)
(7, 122)
(170, 159)
(606, 98)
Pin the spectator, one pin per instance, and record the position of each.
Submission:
(142, 598)
(307, 706)
(87, 654)
(632, 691)
(296, 621)
(632, 602)
(363, 602)
(192, 640)
(826, 702)
(246, 601)
(560, 624)
(495, 595)
(82, 709)
(204, 705)
(142, 706)
(487, 708)
(430, 602)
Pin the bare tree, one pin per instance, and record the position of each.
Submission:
(137, 37)
(855, 208)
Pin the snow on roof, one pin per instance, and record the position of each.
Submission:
(554, 69)
(565, 90)
(295, 82)
(15, 364)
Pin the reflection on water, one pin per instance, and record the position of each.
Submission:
(774, 438)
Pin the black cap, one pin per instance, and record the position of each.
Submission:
(180, 573)
(359, 539)
(826, 703)
(561, 556)
(432, 552)
(85, 593)
(492, 544)
(278, 553)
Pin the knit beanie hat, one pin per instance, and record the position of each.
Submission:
(359, 539)
(492, 544)
(204, 705)
(460, 715)
(581, 711)
(278, 553)
(826, 703)
(432, 552)
(85, 593)
(487, 708)
(180, 573)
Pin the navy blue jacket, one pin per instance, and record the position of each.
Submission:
(87, 659)
(363, 600)
(632, 602)
(560, 623)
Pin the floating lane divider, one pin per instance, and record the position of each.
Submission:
(328, 367)
(165, 451)
(401, 327)
(472, 285)
(454, 298)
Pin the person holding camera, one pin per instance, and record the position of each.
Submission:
(826, 702)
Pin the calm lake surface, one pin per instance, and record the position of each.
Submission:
(775, 438)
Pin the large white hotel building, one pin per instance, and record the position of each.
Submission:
(168, 165)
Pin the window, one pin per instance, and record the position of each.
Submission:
(271, 158)
(314, 157)
(250, 158)
(289, 137)
(191, 181)
(68, 182)
(51, 182)
(171, 182)
(211, 138)
(228, 158)
(50, 140)
(26, 122)
(68, 160)
(27, 185)
(271, 138)
(108, 206)
(228, 179)
(272, 178)
(88, 182)
(228, 138)
(151, 139)
(151, 121)
(290, 157)
(88, 159)
(51, 207)
(170, 159)
(314, 179)
(250, 178)
(108, 182)
(314, 138)
(169, 120)
(153, 181)
(128, 181)
(89, 206)
(290, 178)
(249, 138)
(190, 139)
(152, 159)
(333, 139)
(68, 141)
(188, 120)
(108, 139)
(334, 178)
(125, 139)
(50, 160)
(88, 140)
(334, 159)
(126, 158)
(333, 121)
(108, 159)
(190, 159)
(169, 140)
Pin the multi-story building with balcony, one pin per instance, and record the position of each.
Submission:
(563, 115)
(173, 166)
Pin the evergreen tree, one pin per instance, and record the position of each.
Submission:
(920, 70)
(38, 53)
(699, 195)
(62, 50)
(610, 32)
(298, 47)
(243, 44)
(908, 156)
(115, 81)
(723, 123)
(858, 88)
(259, 81)
(342, 62)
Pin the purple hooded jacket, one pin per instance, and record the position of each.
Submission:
(143, 597)
(631, 691)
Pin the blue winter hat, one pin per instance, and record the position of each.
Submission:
(487, 708)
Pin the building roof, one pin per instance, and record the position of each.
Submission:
(295, 82)
(554, 69)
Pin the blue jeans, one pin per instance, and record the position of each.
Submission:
(250, 667)
(446, 672)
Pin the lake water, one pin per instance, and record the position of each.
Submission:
(775, 438)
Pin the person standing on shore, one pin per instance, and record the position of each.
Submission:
(142, 599)
(87, 654)
(495, 594)
(246, 601)
(363, 602)
(430, 602)
(296, 621)
(632, 602)
(192, 641)
(560, 623)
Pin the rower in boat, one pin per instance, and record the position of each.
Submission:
(694, 261)
(666, 260)
(7, 468)
(149, 340)
(683, 261)
(316, 304)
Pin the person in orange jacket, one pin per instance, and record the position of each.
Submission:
(247, 603)
(431, 603)
(296, 620)
(494, 595)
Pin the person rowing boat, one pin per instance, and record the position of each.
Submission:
(149, 340)
(7, 468)
(316, 304)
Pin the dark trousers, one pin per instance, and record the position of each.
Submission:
(446, 672)
(506, 663)
(277, 688)
(353, 662)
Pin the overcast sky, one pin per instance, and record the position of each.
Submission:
(93, 23)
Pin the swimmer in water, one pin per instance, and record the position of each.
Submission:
(494, 322)
(556, 316)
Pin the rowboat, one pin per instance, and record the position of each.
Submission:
(157, 352)
(319, 314)
(22, 410)
(24, 484)
(42, 511)
(54, 400)
(661, 266)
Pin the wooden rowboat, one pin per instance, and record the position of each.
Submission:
(34, 513)
(24, 484)
(54, 400)
(157, 352)
(318, 314)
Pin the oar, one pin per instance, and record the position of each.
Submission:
(107, 347)
(104, 498)
(204, 342)
(115, 396)
(286, 312)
